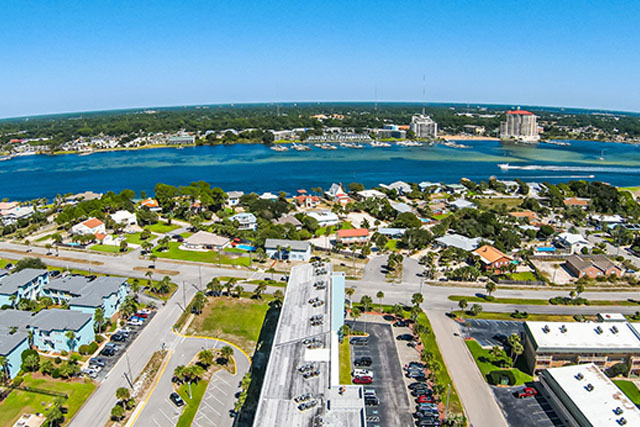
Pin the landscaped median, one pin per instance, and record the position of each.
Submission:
(344, 353)
(507, 316)
(211, 257)
(537, 301)
(489, 361)
(630, 389)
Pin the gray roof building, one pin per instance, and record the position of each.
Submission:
(295, 245)
(84, 292)
(56, 319)
(9, 284)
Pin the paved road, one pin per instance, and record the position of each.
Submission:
(219, 398)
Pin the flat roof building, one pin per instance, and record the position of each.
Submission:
(301, 345)
(583, 396)
(554, 344)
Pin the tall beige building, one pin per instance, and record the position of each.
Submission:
(521, 125)
(423, 126)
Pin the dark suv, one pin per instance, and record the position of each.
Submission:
(176, 399)
(363, 361)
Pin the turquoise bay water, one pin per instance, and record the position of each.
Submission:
(256, 168)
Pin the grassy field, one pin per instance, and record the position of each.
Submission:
(161, 227)
(323, 230)
(19, 401)
(492, 203)
(441, 217)
(506, 316)
(525, 276)
(630, 389)
(135, 238)
(192, 404)
(112, 249)
(391, 245)
(486, 366)
(236, 320)
(534, 301)
(345, 361)
(45, 237)
(211, 257)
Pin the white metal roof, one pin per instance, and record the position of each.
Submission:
(612, 337)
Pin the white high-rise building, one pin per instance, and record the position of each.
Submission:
(521, 125)
(423, 126)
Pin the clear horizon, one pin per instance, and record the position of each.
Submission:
(92, 56)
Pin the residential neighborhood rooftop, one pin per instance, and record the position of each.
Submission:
(9, 284)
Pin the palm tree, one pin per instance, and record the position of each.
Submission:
(179, 372)
(205, 357)
(214, 286)
(355, 313)
(98, 318)
(490, 287)
(259, 290)
(278, 296)
(149, 275)
(496, 351)
(380, 296)
(4, 366)
(366, 302)
(238, 290)
(71, 336)
(153, 259)
(349, 292)
(417, 299)
(123, 394)
(226, 352)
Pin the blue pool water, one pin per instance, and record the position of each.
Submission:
(247, 248)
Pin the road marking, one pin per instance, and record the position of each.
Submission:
(132, 420)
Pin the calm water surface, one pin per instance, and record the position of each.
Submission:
(256, 168)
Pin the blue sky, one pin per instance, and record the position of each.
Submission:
(65, 56)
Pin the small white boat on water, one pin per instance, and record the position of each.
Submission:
(380, 144)
(279, 148)
(503, 166)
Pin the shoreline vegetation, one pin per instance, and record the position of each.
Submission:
(443, 138)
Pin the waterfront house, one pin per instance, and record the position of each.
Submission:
(233, 198)
(401, 187)
(25, 284)
(430, 187)
(13, 215)
(268, 196)
(124, 217)
(293, 250)
(392, 233)
(371, 194)
(492, 258)
(530, 215)
(245, 220)
(352, 235)
(151, 204)
(337, 194)
(203, 240)
(455, 188)
(461, 204)
(306, 201)
(598, 265)
(91, 226)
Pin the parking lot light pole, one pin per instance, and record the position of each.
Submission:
(446, 408)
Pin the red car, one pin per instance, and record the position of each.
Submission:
(142, 314)
(425, 399)
(526, 392)
(363, 380)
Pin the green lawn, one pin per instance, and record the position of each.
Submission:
(391, 244)
(19, 401)
(489, 203)
(211, 257)
(345, 361)
(193, 403)
(535, 301)
(506, 316)
(45, 237)
(346, 225)
(441, 217)
(524, 276)
(135, 238)
(322, 231)
(161, 227)
(236, 320)
(630, 389)
(486, 366)
(112, 249)
(186, 234)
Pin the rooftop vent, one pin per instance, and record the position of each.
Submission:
(618, 411)
(598, 330)
(622, 421)
(614, 329)
(546, 329)
(589, 387)
(563, 329)
(579, 376)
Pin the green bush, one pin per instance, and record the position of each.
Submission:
(93, 347)
(17, 381)
(64, 353)
(28, 352)
(617, 369)
(57, 360)
(489, 298)
(520, 314)
(83, 349)
(99, 338)
(501, 377)
(55, 373)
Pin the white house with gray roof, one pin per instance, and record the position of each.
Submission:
(25, 284)
(458, 241)
(294, 250)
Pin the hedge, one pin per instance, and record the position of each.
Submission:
(501, 377)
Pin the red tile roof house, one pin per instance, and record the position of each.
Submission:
(576, 201)
(307, 201)
(492, 258)
(596, 266)
(353, 235)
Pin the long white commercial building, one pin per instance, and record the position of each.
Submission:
(301, 386)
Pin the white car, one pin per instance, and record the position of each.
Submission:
(361, 373)
(134, 322)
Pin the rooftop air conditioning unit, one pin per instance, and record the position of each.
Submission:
(618, 411)
(622, 421)
(598, 330)
(579, 376)
(614, 329)
(589, 387)
(563, 329)
(546, 329)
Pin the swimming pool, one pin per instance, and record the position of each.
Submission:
(546, 249)
(247, 248)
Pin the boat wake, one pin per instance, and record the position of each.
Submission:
(589, 169)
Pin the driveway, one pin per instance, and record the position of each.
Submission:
(490, 332)
(526, 412)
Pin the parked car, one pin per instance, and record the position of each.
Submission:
(405, 337)
(54, 273)
(371, 401)
(96, 361)
(363, 361)
(135, 321)
(425, 399)
(359, 341)
(361, 373)
(401, 324)
(142, 314)
(176, 399)
(411, 365)
(526, 392)
(363, 380)
(415, 385)
(108, 351)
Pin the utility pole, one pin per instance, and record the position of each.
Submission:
(184, 295)
(200, 276)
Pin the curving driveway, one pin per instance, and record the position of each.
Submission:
(219, 398)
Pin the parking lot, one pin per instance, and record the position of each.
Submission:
(526, 412)
(490, 332)
(394, 408)
(110, 361)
